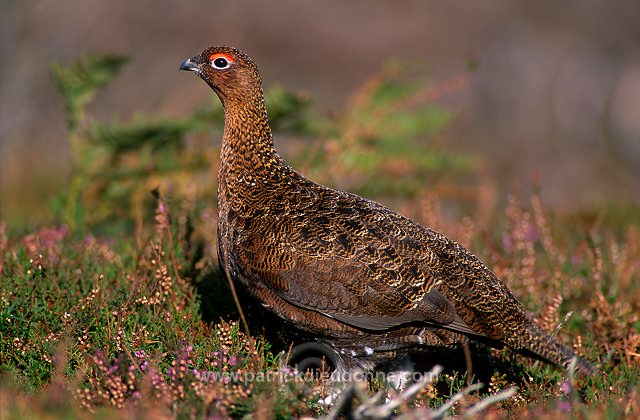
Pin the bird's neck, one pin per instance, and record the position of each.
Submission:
(248, 159)
(247, 142)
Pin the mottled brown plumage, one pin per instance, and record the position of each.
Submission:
(363, 278)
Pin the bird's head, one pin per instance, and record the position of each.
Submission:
(229, 72)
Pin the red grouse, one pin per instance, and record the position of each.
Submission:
(359, 276)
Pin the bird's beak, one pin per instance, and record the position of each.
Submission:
(189, 65)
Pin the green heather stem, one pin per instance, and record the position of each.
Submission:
(76, 183)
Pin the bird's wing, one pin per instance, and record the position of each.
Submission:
(356, 264)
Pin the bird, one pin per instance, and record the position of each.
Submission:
(365, 280)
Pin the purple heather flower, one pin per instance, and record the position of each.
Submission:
(113, 368)
(566, 387)
(564, 406)
(506, 242)
(531, 234)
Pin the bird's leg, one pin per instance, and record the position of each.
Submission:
(467, 358)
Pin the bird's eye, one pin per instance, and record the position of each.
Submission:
(220, 63)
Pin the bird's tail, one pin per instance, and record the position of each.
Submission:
(542, 345)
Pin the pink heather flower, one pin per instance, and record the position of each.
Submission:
(566, 387)
(156, 379)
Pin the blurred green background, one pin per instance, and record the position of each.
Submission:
(550, 93)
